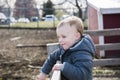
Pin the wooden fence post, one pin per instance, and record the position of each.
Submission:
(51, 47)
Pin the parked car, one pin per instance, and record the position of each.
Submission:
(64, 16)
(50, 18)
(3, 21)
(2, 18)
(11, 20)
(34, 19)
(26, 20)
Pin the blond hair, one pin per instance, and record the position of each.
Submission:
(73, 21)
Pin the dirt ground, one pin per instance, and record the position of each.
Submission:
(18, 63)
(25, 63)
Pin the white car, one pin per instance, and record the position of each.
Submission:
(50, 18)
(34, 19)
(26, 20)
(11, 20)
(64, 16)
(2, 16)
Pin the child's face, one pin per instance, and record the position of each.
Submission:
(67, 36)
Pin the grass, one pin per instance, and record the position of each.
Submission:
(40, 24)
(0, 78)
(113, 71)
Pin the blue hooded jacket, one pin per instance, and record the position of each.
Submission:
(77, 60)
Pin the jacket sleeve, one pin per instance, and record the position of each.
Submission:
(49, 63)
(81, 69)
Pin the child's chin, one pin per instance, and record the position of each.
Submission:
(65, 48)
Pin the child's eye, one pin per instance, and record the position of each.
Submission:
(58, 37)
(63, 36)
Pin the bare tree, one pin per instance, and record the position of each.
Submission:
(78, 4)
(8, 12)
(25, 8)
(2, 4)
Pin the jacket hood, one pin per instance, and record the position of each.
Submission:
(85, 44)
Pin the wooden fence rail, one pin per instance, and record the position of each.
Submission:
(56, 74)
(108, 46)
(105, 32)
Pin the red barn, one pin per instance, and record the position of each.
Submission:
(105, 14)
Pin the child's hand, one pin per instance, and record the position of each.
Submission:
(57, 67)
(41, 76)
